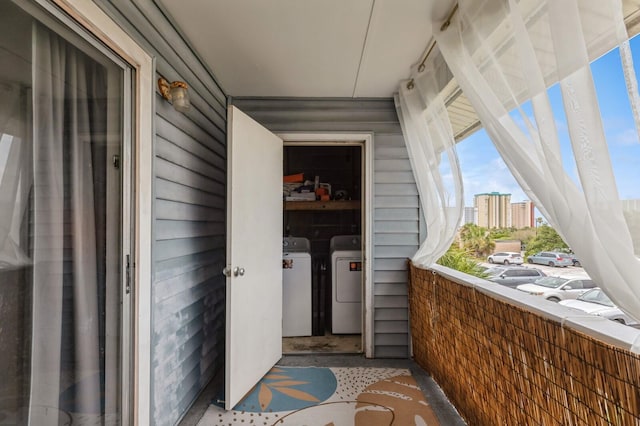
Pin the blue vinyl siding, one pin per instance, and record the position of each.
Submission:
(189, 218)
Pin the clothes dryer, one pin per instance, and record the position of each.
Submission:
(296, 287)
(346, 284)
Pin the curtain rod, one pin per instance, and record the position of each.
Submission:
(443, 27)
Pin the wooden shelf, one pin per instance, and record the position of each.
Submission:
(322, 205)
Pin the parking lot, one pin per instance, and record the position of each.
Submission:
(568, 272)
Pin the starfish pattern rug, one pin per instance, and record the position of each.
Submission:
(329, 397)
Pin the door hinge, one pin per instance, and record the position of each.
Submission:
(128, 275)
(116, 161)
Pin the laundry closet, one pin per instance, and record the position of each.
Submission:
(322, 247)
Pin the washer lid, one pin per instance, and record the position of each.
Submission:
(345, 242)
(295, 245)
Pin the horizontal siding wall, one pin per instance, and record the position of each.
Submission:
(396, 238)
(189, 218)
(396, 204)
(189, 255)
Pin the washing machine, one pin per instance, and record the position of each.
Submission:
(296, 287)
(346, 284)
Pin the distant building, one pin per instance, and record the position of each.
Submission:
(522, 215)
(631, 210)
(494, 210)
(631, 205)
(470, 215)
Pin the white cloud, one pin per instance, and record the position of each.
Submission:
(483, 170)
(627, 137)
(491, 176)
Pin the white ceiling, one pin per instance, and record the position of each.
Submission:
(308, 48)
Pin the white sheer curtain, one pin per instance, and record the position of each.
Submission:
(66, 370)
(14, 178)
(504, 52)
(431, 147)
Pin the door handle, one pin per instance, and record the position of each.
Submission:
(237, 271)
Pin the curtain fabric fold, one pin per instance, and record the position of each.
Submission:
(503, 53)
(431, 147)
(67, 363)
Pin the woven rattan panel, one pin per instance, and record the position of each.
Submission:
(500, 364)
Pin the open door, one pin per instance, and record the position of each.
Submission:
(254, 254)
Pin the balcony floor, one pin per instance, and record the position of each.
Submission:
(202, 414)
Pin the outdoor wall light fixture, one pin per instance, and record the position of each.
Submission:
(176, 93)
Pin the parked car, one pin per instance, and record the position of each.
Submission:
(595, 302)
(506, 257)
(575, 260)
(568, 253)
(551, 258)
(492, 271)
(512, 276)
(556, 289)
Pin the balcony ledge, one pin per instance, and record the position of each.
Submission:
(599, 328)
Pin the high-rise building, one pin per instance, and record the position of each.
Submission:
(522, 215)
(469, 215)
(494, 210)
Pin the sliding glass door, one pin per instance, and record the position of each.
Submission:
(63, 112)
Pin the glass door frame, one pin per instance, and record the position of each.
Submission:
(88, 21)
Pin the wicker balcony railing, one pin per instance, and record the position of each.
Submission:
(506, 358)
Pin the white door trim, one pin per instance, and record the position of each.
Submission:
(367, 215)
(96, 21)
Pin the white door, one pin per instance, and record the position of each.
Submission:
(254, 254)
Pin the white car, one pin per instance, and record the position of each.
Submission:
(556, 289)
(595, 302)
(506, 257)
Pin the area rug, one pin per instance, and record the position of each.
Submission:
(329, 397)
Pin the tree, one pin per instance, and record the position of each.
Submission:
(538, 224)
(476, 239)
(501, 233)
(525, 234)
(546, 239)
(461, 260)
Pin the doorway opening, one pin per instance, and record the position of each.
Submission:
(322, 248)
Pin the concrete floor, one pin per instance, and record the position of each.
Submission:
(329, 343)
(446, 413)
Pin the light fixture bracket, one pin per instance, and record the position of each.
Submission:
(164, 87)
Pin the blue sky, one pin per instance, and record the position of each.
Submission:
(484, 171)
